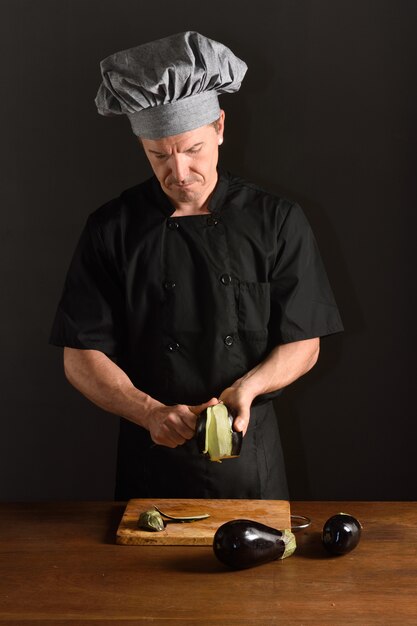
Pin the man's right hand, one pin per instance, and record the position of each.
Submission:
(172, 426)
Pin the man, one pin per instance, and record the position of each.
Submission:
(191, 288)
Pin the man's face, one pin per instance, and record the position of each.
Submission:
(186, 164)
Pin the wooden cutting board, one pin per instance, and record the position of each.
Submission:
(274, 513)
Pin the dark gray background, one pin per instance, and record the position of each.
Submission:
(326, 116)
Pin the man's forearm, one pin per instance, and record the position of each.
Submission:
(103, 382)
(282, 366)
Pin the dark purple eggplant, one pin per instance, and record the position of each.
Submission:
(221, 441)
(341, 533)
(200, 432)
(243, 543)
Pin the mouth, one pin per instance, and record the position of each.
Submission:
(184, 185)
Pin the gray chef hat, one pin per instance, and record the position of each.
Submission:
(169, 86)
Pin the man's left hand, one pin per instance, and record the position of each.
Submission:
(238, 401)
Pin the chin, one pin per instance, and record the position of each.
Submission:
(186, 195)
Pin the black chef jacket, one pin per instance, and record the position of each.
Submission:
(187, 305)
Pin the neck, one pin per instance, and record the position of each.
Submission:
(188, 209)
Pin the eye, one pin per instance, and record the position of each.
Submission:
(193, 150)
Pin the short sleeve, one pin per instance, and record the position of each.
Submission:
(302, 302)
(90, 312)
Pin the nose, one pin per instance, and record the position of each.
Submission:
(180, 168)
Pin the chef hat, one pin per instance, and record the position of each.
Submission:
(169, 86)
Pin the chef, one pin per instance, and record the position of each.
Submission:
(190, 288)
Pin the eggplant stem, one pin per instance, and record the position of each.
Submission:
(290, 543)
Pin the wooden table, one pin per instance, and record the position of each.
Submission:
(59, 565)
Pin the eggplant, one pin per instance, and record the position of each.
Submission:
(341, 533)
(244, 543)
(215, 436)
(151, 520)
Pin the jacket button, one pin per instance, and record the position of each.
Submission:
(173, 347)
(172, 224)
(228, 340)
(169, 285)
(213, 220)
(225, 279)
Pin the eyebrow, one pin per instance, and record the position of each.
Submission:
(200, 143)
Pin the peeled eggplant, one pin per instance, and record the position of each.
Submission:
(341, 533)
(243, 543)
(215, 436)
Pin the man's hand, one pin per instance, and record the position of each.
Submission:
(172, 426)
(238, 400)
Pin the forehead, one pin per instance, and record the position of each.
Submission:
(181, 142)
